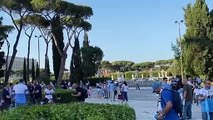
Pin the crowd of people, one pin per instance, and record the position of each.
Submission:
(34, 93)
(112, 90)
(26, 94)
(176, 97)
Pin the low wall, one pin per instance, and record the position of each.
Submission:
(144, 83)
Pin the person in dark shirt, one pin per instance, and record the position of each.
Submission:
(187, 99)
(79, 92)
(6, 97)
(31, 94)
(63, 85)
(37, 92)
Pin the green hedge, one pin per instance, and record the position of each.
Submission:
(155, 73)
(64, 96)
(145, 74)
(75, 111)
(115, 76)
(128, 75)
(93, 81)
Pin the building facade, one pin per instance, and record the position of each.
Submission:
(18, 63)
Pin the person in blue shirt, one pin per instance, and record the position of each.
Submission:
(167, 112)
(111, 88)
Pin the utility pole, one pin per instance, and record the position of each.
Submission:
(38, 49)
(181, 48)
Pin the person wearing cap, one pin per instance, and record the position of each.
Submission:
(167, 112)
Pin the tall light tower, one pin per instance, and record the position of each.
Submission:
(38, 48)
(181, 48)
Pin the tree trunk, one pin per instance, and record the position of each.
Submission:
(47, 71)
(7, 75)
(37, 71)
(28, 52)
(57, 43)
(28, 60)
(61, 71)
(47, 67)
(24, 71)
(76, 73)
(33, 70)
(62, 67)
(47, 47)
(8, 52)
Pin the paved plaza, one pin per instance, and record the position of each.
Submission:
(144, 102)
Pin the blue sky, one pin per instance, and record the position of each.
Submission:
(139, 30)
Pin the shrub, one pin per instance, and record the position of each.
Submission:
(115, 76)
(64, 96)
(128, 75)
(93, 81)
(14, 81)
(146, 74)
(75, 111)
(154, 74)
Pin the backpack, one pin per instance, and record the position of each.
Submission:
(177, 101)
(84, 93)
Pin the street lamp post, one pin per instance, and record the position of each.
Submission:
(181, 48)
(38, 49)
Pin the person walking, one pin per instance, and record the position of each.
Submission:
(137, 84)
(206, 101)
(187, 99)
(99, 90)
(167, 112)
(111, 90)
(105, 89)
(124, 91)
(115, 90)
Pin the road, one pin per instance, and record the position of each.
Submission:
(144, 103)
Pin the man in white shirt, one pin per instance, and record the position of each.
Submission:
(206, 98)
(20, 91)
(49, 93)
